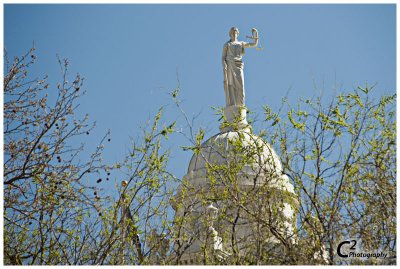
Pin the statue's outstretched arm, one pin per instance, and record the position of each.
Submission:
(254, 36)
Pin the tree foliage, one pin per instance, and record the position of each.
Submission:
(46, 197)
(338, 155)
(341, 156)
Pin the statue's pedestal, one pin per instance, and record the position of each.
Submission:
(235, 119)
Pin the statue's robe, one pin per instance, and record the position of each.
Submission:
(234, 88)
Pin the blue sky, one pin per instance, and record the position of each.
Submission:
(131, 56)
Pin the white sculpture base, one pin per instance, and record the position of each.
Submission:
(235, 119)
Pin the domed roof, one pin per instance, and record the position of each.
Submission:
(232, 146)
(259, 164)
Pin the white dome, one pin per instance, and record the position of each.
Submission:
(235, 158)
(224, 148)
(220, 149)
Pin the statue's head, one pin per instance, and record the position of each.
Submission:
(232, 32)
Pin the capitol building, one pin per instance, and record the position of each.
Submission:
(235, 205)
(234, 198)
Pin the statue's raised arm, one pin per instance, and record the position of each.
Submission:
(232, 64)
(254, 36)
